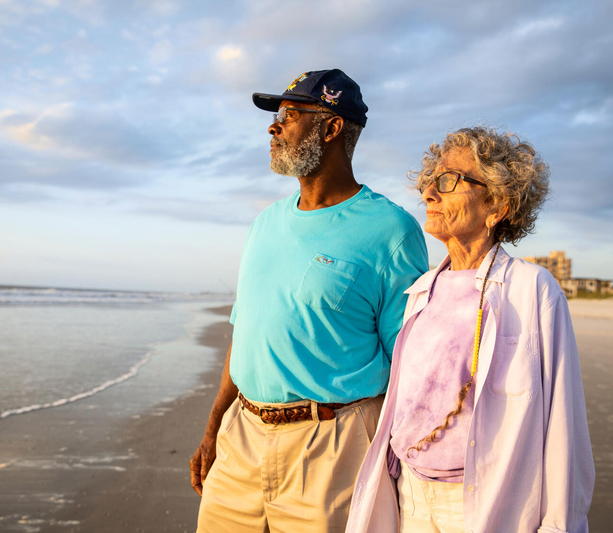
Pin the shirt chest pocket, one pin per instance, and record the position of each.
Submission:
(514, 372)
(327, 281)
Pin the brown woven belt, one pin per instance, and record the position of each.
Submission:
(285, 415)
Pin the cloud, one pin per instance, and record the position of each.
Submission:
(162, 8)
(75, 133)
(23, 195)
(44, 174)
(147, 105)
(229, 53)
(234, 67)
(538, 26)
(601, 113)
(161, 52)
(197, 211)
(160, 32)
(46, 48)
(27, 134)
(48, 3)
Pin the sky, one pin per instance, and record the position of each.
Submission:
(132, 156)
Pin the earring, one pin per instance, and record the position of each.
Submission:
(488, 231)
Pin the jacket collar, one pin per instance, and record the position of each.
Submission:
(497, 274)
(499, 267)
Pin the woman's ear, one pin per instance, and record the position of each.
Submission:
(498, 214)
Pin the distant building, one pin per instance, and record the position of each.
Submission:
(560, 267)
(588, 285)
(557, 263)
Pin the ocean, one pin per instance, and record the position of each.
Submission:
(105, 446)
(59, 346)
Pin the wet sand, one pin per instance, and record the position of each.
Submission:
(70, 470)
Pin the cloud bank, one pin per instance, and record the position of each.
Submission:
(144, 108)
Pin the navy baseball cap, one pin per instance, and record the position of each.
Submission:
(330, 88)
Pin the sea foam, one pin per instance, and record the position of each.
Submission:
(82, 395)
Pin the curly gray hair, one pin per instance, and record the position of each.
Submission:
(513, 171)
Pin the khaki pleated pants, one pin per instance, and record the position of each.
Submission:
(286, 478)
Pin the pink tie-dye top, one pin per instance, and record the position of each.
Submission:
(436, 361)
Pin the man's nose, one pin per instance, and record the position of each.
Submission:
(274, 128)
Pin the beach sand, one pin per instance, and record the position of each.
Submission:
(593, 323)
(62, 470)
(69, 470)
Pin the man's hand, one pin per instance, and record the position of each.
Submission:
(201, 462)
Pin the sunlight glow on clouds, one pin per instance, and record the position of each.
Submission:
(229, 53)
(133, 121)
(27, 134)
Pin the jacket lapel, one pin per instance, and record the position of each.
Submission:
(493, 295)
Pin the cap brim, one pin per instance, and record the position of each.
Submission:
(271, 102)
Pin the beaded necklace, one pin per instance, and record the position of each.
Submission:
(473, 368)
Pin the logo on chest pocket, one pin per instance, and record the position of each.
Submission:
(327, 281)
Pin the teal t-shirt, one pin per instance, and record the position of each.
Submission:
(320, 299)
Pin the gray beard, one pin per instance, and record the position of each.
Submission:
(299, 161)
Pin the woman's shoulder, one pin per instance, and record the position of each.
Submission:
(527, 274)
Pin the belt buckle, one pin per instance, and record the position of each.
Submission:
(325, 413)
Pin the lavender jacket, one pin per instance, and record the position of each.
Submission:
(528, 463)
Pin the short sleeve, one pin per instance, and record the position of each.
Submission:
(407, 262)
(234, 312)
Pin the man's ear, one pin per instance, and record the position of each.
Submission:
(333, 127)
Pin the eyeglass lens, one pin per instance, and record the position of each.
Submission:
(445, 182)
(280, 116)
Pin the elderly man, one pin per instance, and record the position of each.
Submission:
(319, 303)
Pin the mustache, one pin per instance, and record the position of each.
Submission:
(277, 142)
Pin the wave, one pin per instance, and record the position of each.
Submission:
(43, 295)
(134, 369)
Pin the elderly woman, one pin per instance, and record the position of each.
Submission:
(484, 424)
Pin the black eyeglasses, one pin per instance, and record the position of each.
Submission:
(283, 116)
(447, 181)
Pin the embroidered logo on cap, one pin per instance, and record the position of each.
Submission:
(324, 260)
(331, 97)
(300, 78)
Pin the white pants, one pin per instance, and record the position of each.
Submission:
(429, 506)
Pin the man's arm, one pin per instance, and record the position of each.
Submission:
(202, 460)
(407, 263)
